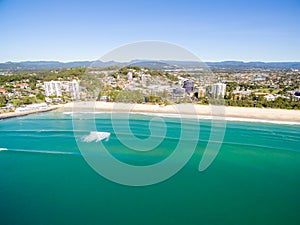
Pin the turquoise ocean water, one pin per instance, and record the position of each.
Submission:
(255, 179)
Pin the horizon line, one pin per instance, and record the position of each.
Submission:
(204, 61)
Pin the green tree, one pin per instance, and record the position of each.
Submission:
(2, 100)
(130, 96)
(28, 100)
(40, 96)
(15, 102)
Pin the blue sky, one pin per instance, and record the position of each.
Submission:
(214, 30)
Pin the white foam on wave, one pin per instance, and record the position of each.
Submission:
(3, 149)
(96, 136)
(205, 117)
(71, 113)
(226, 118)
(262, 121)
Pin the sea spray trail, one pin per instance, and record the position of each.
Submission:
(40, 151)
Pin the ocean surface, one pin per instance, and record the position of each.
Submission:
(44, 179)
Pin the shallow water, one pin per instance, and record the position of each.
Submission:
(45, 180)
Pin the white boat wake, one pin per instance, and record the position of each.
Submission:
(96, 136)
(39, 151)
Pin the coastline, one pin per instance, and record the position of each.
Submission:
(205, 111)
(268, 114)
(18, 114)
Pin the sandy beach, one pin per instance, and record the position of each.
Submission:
(202, 110)
(186, 109)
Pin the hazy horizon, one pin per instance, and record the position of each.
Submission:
(93, 60)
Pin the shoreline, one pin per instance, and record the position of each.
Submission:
(18, 114)
(204, 111)
(229, 112)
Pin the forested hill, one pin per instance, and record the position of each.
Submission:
(161, 64)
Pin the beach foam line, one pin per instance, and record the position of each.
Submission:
(79, 112)
(199, 117)
(67, 113)
(226, 118)
(282, 122)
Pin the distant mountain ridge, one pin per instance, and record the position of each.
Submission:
(160, 64)
(36, 65)
(258, 65)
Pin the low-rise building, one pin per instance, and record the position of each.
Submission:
(2, 90)
(201, 92)
(270, 97)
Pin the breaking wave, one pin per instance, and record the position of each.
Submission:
(96, 136)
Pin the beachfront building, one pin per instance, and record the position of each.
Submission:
(188, 85)
(72, 88)
(240, 94)
(57, 88)
(32, 107)
(178, 93)
(270, 97)
(218, 90)
(53, 88)
(201, 92)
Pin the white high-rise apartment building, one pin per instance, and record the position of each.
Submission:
(56, 88)
(218, 90)
(53, 88)
(74, 89)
